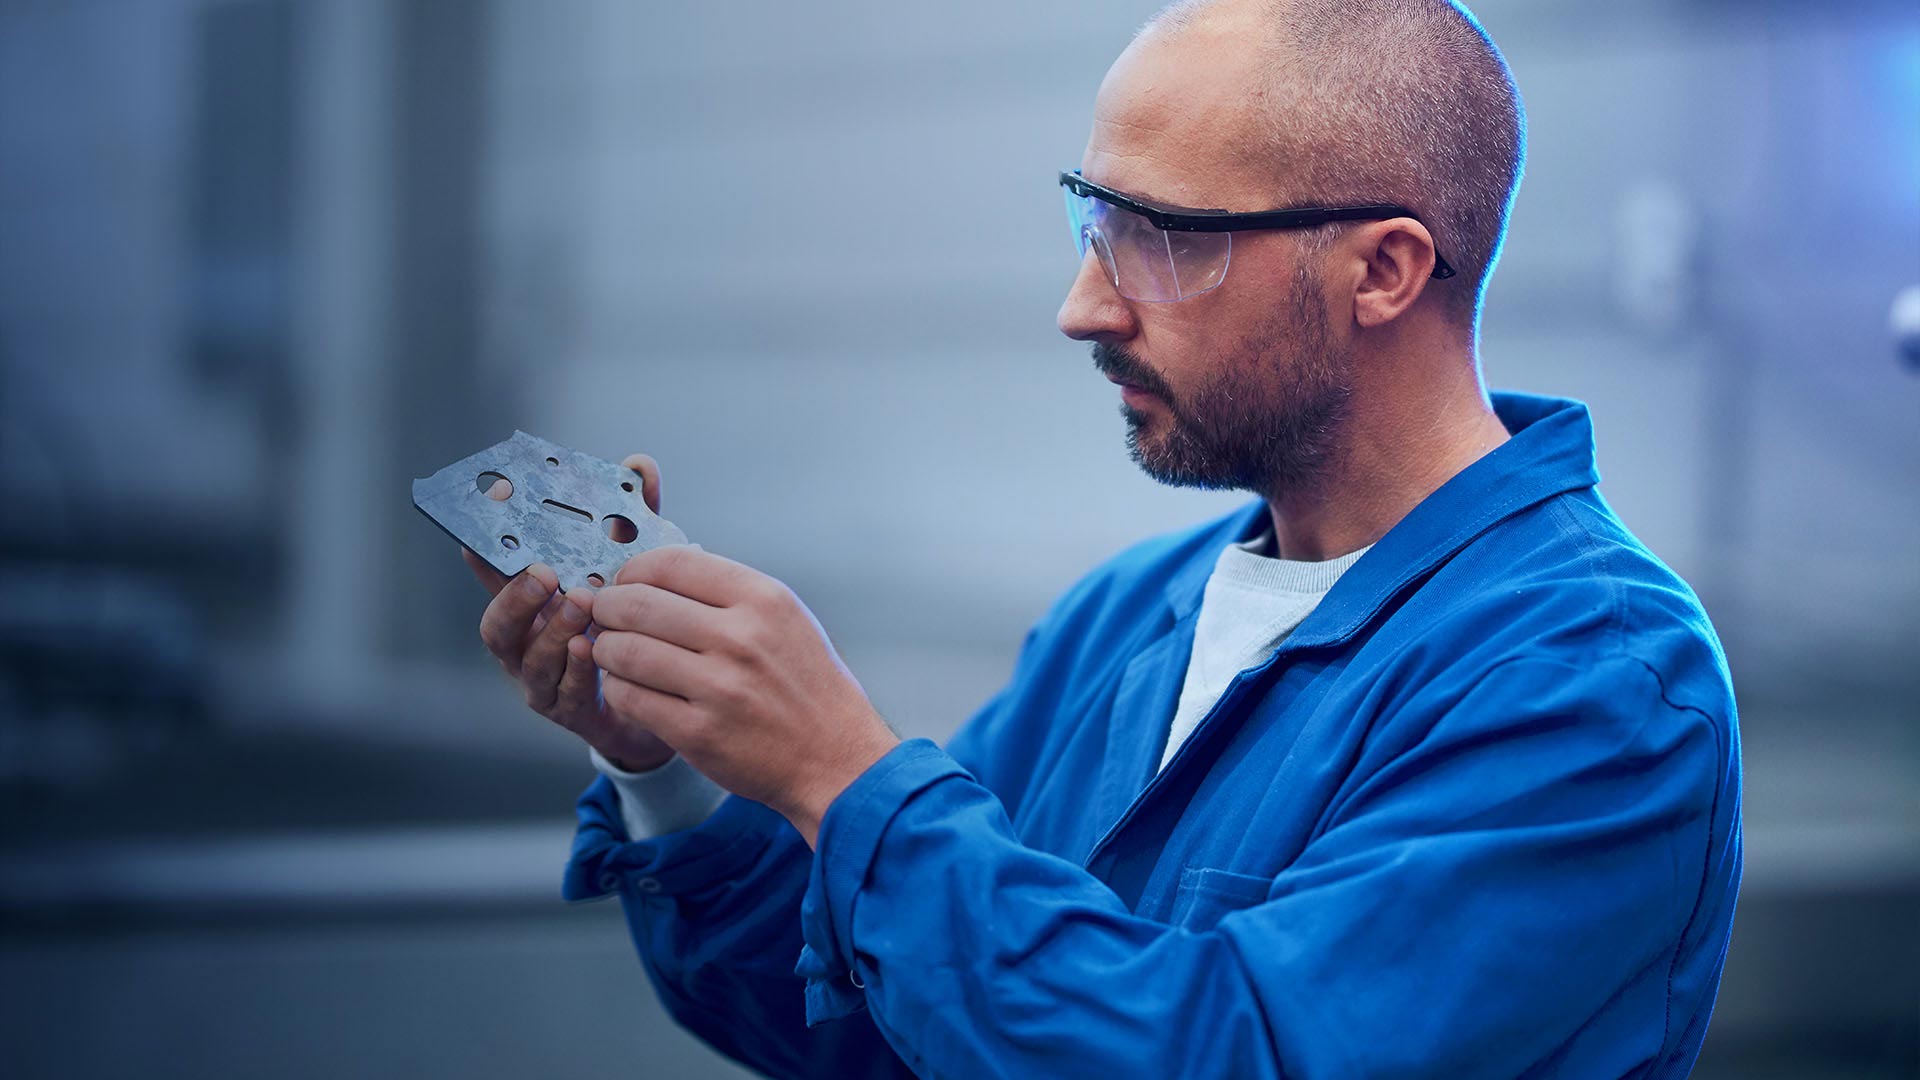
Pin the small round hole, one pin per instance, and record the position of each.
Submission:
(511, 543)
(553, 461)
(620, 530)
(596, 580)
(626, 485)
(494, 486)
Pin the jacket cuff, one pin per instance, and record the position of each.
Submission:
(605, 860)
(850, 837)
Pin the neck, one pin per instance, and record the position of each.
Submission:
(1398, 446)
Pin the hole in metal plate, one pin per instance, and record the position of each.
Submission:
(620, 530)
(511, 543)
(494, 486)
(596, 580)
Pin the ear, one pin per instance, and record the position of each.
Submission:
(1398, 257)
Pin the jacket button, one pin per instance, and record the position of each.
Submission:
(648, 884)
(854, 978)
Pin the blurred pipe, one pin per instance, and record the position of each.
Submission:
(343, 221)
(474, 866)
(439, 92)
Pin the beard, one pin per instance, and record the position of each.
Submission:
(1265, 420)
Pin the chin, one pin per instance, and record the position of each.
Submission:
(1139, 429)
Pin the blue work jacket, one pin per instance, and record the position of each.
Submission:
(1477, 816)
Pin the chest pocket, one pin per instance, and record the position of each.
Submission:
(1205, 896)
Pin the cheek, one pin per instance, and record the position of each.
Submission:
(1262, 270)
(1187, 341)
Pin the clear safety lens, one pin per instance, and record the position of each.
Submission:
(1145, 263)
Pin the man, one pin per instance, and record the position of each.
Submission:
(1420, 765)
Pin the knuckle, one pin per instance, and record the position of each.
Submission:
(752, 646)
(740, 642)
(769, 594)
(537, 662)
(546, 698)
(731, 694)
(490, 637)
(664, 560)
(700, 739)
(631, 605)
(758, 637)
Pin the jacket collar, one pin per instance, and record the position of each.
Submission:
(1550, 452)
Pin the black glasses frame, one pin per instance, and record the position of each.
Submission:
(1305, 217)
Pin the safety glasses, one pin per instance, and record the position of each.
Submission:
(1158, 253)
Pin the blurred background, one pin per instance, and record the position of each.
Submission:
(266, 808)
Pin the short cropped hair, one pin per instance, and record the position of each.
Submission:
(1393, 101)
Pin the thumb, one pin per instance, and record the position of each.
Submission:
(649, 471)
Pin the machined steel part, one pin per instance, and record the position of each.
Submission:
(527, 500)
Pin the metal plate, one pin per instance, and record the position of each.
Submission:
(566, 509)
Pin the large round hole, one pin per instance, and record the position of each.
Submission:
(619, 529)
(494, 486)
(511, 543)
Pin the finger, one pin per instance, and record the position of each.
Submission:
(695, 574)
(662, 715)
(547, 612)
(509, 616)
(650, 662)
(659, 613)
(545, 661)
(649, 471)
(580, 683)
(492, 579)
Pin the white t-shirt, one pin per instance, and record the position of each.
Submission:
(1252, 602)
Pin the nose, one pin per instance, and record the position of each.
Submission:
(1093, 309)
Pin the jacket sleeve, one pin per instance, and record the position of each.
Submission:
(1529, 851)
(714, 913)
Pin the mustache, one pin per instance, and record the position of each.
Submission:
(1117, 363)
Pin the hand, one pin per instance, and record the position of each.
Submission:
(727, 666)
(543, 640)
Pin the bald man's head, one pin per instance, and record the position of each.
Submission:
(1402, 102)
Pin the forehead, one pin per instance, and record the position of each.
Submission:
(1177, 120)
